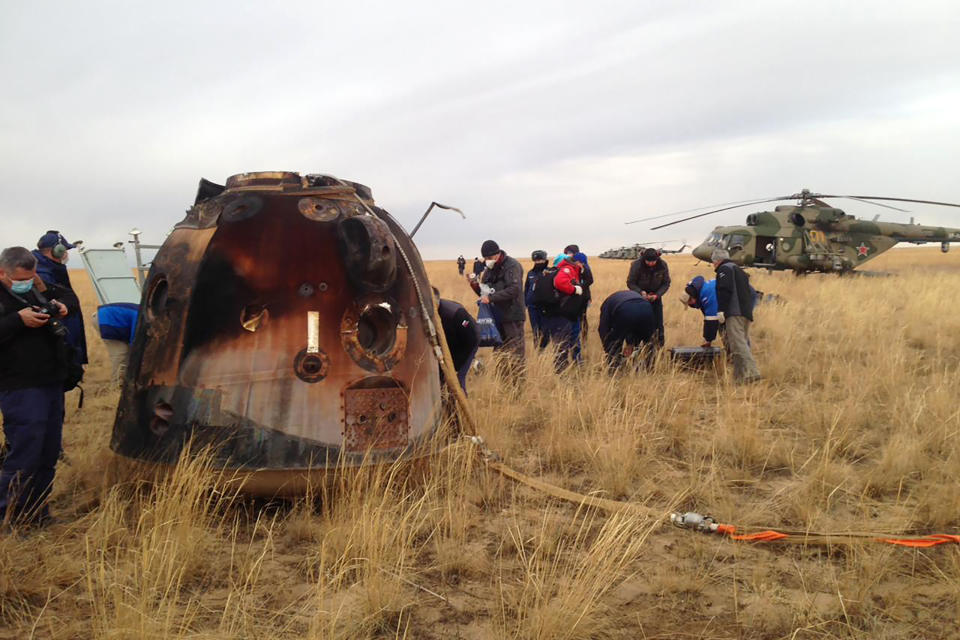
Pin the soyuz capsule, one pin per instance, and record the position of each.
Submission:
(284, 321)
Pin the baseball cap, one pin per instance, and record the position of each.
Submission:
(51, 239)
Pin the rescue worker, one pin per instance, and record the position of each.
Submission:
(52, 254)
(460, 331)
(735, 301)
(501, 285)
(650, 277)
(117, 322)
(539, 258)
(477, 267)
(702, 295)
(33, 370)
(626, 322)
(461, 264)
(559, 320)
(586, 280)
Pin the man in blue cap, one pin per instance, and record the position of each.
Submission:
(52, 255)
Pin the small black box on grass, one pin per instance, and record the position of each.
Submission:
(697, 357)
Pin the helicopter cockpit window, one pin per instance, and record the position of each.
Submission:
(714, 240)
(737, 240)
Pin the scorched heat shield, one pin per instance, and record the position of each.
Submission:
(283, 322)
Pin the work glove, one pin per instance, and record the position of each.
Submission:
(721, 317)
(577, 289)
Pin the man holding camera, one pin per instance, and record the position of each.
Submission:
(33, 368)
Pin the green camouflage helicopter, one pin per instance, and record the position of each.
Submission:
(812, 236)
(633, 252)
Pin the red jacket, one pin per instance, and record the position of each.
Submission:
(568, 276)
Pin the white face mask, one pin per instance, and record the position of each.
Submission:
(490, 263)
(65, 259)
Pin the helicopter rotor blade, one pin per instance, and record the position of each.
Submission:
(679, 213)
(700, 215)
(877, 204)
(804, 196)
(942, 204)
(657, 241)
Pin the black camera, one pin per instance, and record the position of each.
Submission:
(53, 324)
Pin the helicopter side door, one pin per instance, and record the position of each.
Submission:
(765, 251)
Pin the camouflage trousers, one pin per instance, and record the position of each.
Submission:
(736, 338)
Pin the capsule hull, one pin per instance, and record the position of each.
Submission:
(283, 325)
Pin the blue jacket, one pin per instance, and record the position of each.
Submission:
(118, 321)
(54, 273)
(610, 306)
(706, 291)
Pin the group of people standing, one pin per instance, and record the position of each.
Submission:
(555, 295)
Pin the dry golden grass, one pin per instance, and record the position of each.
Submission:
(854, 427)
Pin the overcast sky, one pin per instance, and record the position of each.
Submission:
(546, 122)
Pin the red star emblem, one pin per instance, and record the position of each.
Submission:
(862, 250)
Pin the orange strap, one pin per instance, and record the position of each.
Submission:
(771, 536)
(925, 542)
(762, 536)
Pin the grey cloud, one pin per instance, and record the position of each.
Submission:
(528, 115)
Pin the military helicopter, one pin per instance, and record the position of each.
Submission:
(633, 252)
(812, 236)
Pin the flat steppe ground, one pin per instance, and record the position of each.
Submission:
(854, 427)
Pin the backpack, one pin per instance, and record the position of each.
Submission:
(543, 294)
(552, 302)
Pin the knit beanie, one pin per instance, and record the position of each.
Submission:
(489, 248)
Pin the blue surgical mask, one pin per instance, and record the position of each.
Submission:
(21, 286)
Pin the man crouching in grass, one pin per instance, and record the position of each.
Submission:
(33, 368)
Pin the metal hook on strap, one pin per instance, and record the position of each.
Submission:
(694, 521)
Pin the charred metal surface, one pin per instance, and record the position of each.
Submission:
(319, 209)
(280, 326)
(207, 190)
(375, 419)
(374, 332)
(368, 252)
(311, 367)
(241, 208)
